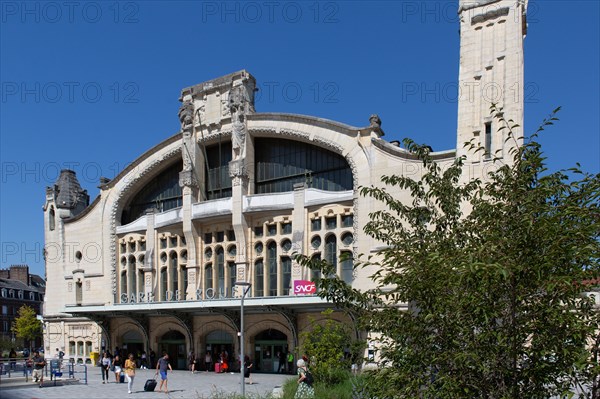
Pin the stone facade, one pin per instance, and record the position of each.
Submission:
(152, 263)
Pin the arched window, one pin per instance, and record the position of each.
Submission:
(259, 275)
(124, 286)
(51, 220)
(163, 284)
(208, 278)
(347, 267)
(286, 274)
(173, 273)
(218, 181)
(281, 163)
(220, 270)
(315, 274)
(272, 267)
(232, 277)
(162, 193)
(331, 250)
(131, 275)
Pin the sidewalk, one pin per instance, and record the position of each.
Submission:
(182, 384)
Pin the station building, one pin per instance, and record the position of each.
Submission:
(152, 262)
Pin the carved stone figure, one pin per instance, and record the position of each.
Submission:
(237, 107)
(375, 121)
(186, 114)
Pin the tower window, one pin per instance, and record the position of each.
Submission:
(488, 140)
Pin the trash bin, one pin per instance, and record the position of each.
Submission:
(94, 356)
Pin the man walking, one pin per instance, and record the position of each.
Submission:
(38, 368)
(162, 366)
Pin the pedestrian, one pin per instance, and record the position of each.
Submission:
(282, 358)
(207, 361)
(290, 362)
(38, 368)
(162, 366)
(247, 366)
(305, 389)
(117, 364)
(105, 364)
(12, 358)
(191, 361)
(144, 362)
(130, 371)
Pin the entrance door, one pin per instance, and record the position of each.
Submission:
(173, 343)
(268, 349)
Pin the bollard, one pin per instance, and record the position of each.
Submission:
(85, 373)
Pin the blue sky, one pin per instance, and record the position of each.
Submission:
(92, 85)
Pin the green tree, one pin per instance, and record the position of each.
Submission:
(325, 344)
(26, 326)
(485, 303)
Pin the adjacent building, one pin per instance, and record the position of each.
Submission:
(19, 288)
(152, 262)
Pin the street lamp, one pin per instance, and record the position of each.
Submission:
(247, 286)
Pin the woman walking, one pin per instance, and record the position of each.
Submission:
(105, 363)
(117, 365)
(130, 371)
(247, 366)
(305, 388)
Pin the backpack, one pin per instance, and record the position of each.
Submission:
(308, 378)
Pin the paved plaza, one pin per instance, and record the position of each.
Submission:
(182, 384)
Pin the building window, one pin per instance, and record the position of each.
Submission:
(174, 286)
(286, 245)
(3, 292)
(258, 248)
(315, 224)
(183, 272)
(331, 250)
(232, 250)
(286, 228)
(220, 236)
(4, 309)
(281, 163)
(220, 270)
(31, 296)
(315, 274)
(123, 247)
(20, 294)
(172, 241)
(272, 266)
(88, 348)
(315, 242)
(218, 180)
(208, 278)
(286, 274)
(132, 246)
(72, 348)
(161, 193)
(488, 140)
(207, 238)
(230, 235)
(208, 253)
(347, 220)
(163, 243)
(259, 275)
(347, 239)
(272, 229)
(163, 284)
(52, 219)
(347, 267)
(232, 275)
(79, 348)
(124, 286)
(258, 231)
(331, 222)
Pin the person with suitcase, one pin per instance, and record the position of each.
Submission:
(161, 367)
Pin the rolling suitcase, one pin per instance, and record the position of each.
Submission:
(122, 377)
(150, 385)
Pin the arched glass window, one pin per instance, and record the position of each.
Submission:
(315, 274)
(220, 270)
(232, 276)
(124, 286)
(52, 219)
(347, 267)
(163, 284)
(331, 250)
(162, 193)
(259, 275)
(208, 277)
(281, 163)
(131, 277)
(272, 266)
(173, 272)
(286, 274)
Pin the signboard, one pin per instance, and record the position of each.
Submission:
(304, 287)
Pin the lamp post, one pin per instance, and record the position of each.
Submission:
(246, 288)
